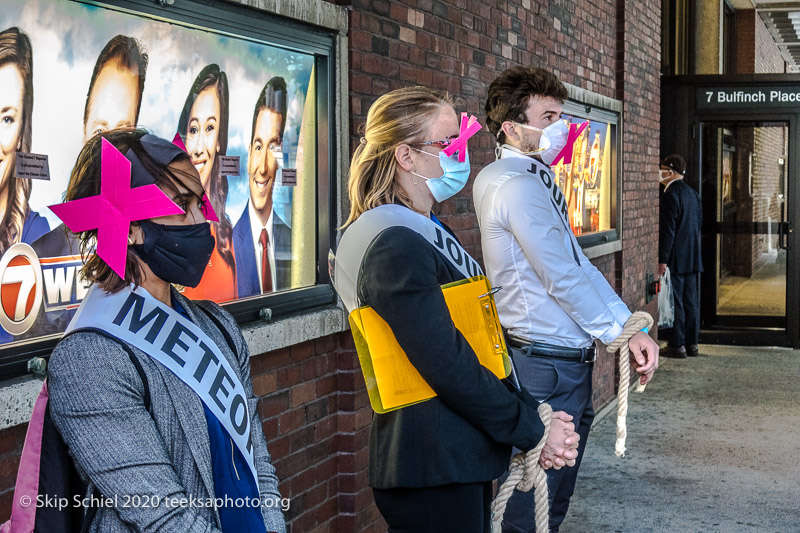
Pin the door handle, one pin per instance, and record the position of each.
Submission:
(784, 229)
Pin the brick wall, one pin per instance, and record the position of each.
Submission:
(638, 86)
(767, 57)
(756, 51)
(744, 29)
(313, 403)
(316, 417)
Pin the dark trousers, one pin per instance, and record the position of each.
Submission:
(686, 327)
(566, 386)
(454, 508)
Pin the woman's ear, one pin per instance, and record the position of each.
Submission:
(135, 234)
(403, 156)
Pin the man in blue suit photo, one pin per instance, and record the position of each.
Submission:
(681, 218)
(261, 239)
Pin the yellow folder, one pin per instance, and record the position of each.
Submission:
(392, 381)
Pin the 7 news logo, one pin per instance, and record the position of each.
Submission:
(27, 282)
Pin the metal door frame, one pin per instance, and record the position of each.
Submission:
(755, 333)
(682, 111)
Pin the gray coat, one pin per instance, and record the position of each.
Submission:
(97, 402)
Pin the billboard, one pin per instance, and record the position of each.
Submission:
(244, 109)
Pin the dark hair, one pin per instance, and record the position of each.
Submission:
(131, 54)
(84, 181)
(15, 49)
(272, 97)
(676, 163)
(212, 76)
(511, 91)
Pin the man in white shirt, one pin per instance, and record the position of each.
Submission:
(554, 302)
(261, 240)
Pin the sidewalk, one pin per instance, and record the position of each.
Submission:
(713, 446)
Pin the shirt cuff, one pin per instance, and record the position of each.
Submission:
(611, 334)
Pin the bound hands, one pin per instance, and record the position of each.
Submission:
(644, 355)
(561, 447)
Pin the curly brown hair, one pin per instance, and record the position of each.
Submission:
(511, 91)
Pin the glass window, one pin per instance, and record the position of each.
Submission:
(589, 181)
(251, 110)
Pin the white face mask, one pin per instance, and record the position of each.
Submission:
(662, 178)
(553, 139)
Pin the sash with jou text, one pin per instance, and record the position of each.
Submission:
(137, 318)
(551, 189)
(369, 225)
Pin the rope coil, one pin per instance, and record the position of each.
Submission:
(524, 470)
(635, 323)
(524, 474)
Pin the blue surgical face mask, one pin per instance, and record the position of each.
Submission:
(456, 174)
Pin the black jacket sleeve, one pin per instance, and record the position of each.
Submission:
(400, 278)
(668, 222)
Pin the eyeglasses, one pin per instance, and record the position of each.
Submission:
(438, 144)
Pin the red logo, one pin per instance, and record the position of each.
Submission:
(20, 288)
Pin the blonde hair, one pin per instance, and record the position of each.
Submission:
(398, 117)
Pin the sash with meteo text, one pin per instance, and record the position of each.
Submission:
(137, 318)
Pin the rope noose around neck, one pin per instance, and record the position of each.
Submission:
(524, 469)
(634, 324)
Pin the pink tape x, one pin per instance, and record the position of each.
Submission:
(208, 209)
(469, 127)
(113, 210)
(575, 131)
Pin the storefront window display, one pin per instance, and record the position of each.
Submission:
(244, 107)
(589, 181)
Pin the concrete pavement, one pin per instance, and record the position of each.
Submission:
(713, 446)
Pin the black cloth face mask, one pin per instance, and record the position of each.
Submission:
(176, 254)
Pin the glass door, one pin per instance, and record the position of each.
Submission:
(746, 230)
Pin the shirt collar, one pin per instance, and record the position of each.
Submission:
(255, 223)
(506, 152)
(671, 182)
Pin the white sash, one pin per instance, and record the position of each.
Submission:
(369, 225)
(137, 318)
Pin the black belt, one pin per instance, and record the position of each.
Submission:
(542, 349)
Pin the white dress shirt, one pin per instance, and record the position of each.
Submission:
(255, 228)
(551, 291)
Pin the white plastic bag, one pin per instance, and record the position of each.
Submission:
(666, 302)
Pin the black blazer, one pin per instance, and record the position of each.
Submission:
(465, 434)
(680, 219)
(246, 271)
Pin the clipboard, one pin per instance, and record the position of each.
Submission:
(392, 381)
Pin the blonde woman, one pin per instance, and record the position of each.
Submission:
(431, 464)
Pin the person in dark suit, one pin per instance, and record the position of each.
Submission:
(431, 464)
(681, 217)
(260, 232)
